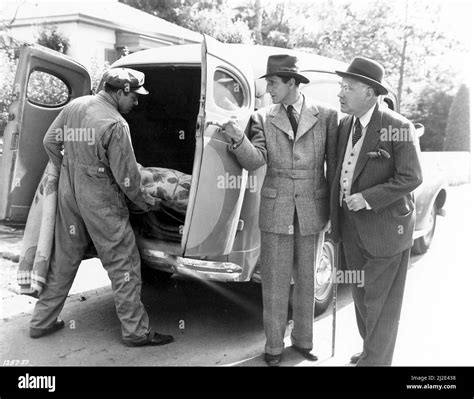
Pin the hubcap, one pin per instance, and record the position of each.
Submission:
(322, 275)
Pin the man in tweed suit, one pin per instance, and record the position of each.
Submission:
(294, 138)
(372, 205)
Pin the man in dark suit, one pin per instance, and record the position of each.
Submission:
(296, 139)
(372, 205)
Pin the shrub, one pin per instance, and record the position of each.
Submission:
(8, 64)
(458, 130)
(49, 36)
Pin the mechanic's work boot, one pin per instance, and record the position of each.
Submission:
(38, 333)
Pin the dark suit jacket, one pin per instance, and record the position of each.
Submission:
(385, 183)
(271, 142)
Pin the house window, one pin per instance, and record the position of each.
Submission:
(228, 92)
(47, 90)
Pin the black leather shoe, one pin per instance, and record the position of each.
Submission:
(307, 353)
(355, 358)
(152, 339)
(37, 333)
(272, 360)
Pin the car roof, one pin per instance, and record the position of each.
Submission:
(190, 54)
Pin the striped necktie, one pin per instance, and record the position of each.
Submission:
(357, 132)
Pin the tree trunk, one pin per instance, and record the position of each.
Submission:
(402, 70)
(403, 56)
(258, 27)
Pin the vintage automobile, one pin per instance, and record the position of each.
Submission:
(191, 88)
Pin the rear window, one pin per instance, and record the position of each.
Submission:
(228, 92)
(47, 90)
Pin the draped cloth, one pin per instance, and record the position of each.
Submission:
(171, 186)
(39, 234)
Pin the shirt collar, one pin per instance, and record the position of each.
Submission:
(365, 119)
(298, 105)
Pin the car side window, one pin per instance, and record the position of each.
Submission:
(228, 92)
(47, 90)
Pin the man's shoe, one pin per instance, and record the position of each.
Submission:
(153, 338)
(307, 353)
(272, 360)
(38, 333)
(355, 358)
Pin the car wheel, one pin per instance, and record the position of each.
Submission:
(323, 278)
(422, 244)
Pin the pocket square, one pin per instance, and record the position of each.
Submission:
(380, 152)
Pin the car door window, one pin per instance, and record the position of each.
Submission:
(227, 91)
(47, 90)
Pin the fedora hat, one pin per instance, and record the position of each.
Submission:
(367, 71)
(284, 65)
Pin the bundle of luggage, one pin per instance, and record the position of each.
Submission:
(172, 187)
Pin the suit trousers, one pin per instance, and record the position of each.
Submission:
(283, 257)
(378, 301)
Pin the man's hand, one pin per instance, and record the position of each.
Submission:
(355, 202)
(233, 130)
(157, 205)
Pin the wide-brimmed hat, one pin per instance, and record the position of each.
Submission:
(367, 71)
(284, 65)
(126, 79)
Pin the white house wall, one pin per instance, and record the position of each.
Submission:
(86, 42)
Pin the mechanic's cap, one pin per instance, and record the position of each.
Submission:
(126, 79)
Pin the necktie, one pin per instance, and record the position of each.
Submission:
(291, 117)
(357, 132)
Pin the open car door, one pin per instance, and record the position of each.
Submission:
(45, 82)
(218, 182)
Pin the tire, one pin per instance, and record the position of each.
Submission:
(422, 244)
(323, 278)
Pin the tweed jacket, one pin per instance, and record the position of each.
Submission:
(385, 181)
(299, 169)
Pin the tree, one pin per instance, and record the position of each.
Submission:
(175, 11)
(50, 37)
(220, 24)
(8, 64)
(458, 130)
(404, 37)
(212, 17)
(432, 110)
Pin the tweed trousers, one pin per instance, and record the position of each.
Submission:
(283, 257)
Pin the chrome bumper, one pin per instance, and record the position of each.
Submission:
(201, 269)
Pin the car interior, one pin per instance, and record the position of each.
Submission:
(162, 128)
